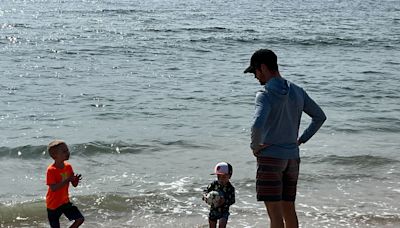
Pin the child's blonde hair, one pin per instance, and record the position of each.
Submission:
(53, 146)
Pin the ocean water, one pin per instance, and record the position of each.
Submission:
(150, 95)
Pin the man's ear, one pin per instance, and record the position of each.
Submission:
(264, 68)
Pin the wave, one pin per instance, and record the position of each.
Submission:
(351, 218)
(22, 214)
(120, 11)
(361, 161)
(303, 41)
(117, 208)
(110, 205)
(14, 25)
(209, 34)
(377, 122)
(361, 129)
(97, 147)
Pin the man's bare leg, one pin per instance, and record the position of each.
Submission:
(275, 214)
(289, 214)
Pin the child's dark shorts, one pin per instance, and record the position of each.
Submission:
(68, 209)
(216, 214)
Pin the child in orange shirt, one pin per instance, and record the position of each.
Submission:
(59, 175)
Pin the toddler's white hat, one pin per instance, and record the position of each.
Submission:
(223, 168)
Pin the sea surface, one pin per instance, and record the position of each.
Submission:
(150, 95)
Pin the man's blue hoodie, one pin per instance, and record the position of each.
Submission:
(277, 119)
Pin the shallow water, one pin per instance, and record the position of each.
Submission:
(150, 96)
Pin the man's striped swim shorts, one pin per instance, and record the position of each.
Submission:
(277, 179)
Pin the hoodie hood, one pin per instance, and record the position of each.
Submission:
(278, 86)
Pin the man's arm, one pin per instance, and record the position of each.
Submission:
(318, 117)
(260, 117)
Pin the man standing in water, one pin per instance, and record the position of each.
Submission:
(274, 137)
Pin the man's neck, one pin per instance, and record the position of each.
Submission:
(274, 74)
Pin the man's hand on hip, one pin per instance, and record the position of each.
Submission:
(257, 151)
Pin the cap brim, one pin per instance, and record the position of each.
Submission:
(249, 69)
(217, 173)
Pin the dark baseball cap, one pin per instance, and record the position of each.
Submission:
(265, 56)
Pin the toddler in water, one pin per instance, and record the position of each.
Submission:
(59, 175)
(226, 191)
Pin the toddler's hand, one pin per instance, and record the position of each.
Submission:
(204, 197)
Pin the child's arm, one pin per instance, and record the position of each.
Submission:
(55, 187)
(232, 201)
(75, 179)
(209, 188)
(231, 197)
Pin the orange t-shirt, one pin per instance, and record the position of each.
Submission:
(55, 175)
